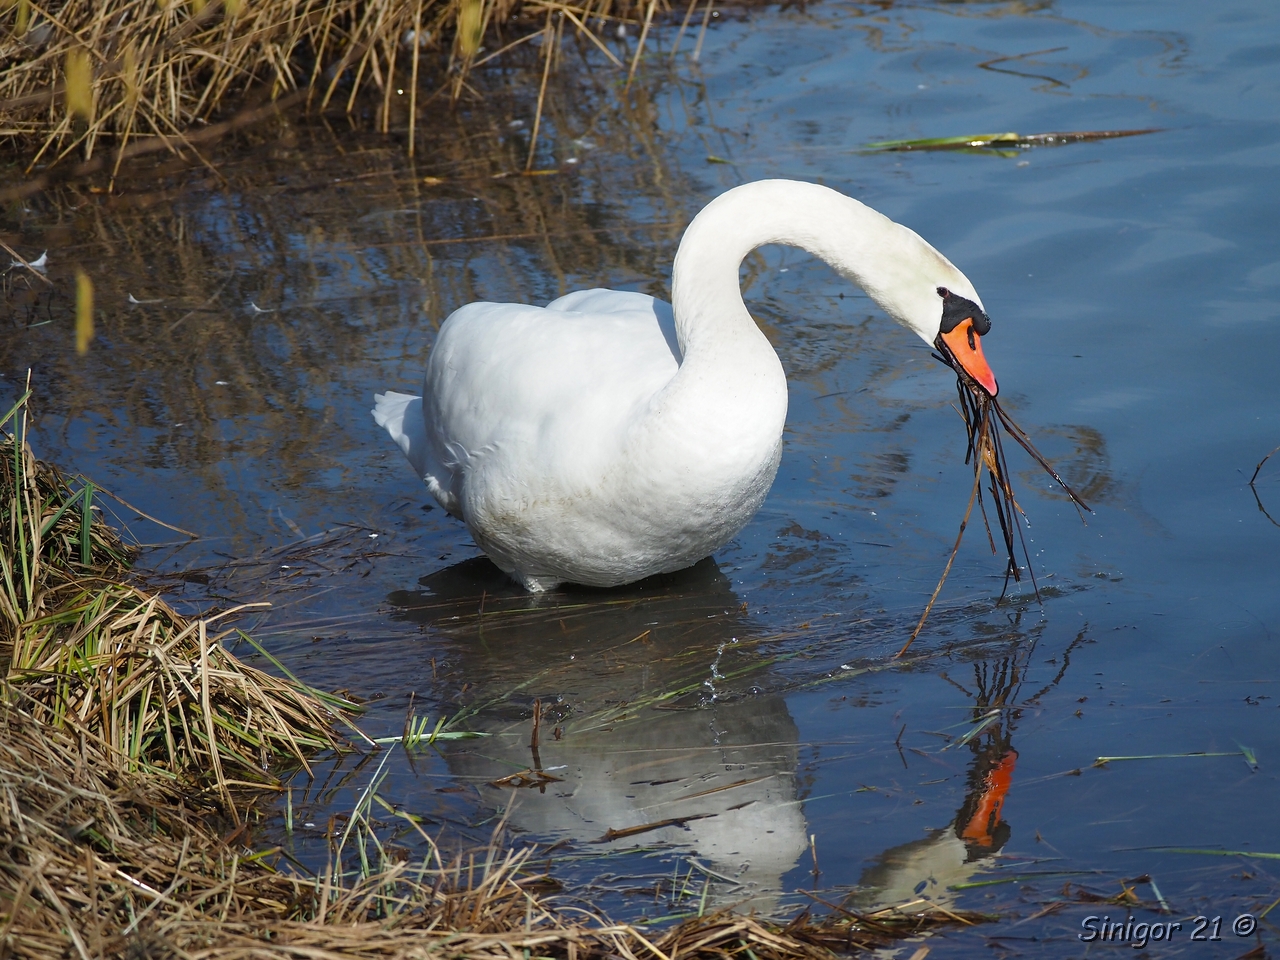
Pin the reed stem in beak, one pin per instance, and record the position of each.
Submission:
(983, 419)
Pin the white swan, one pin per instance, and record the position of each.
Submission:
(609, 436)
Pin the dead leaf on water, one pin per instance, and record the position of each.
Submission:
(611, 834)
(525, 779)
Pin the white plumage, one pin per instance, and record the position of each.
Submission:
(607, 436)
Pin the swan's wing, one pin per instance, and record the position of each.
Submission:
(623, 303)
(544, 394)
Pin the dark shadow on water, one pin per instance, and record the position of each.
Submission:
(683, 620)
(463, 581)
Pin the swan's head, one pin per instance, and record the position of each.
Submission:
(959, 339)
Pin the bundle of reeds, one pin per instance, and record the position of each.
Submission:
(78, 72)
(93, 858)
(92, 653)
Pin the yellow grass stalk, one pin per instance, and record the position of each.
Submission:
(470, 27)
(84, 312)
(79, 85)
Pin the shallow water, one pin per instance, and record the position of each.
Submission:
(1132, 285)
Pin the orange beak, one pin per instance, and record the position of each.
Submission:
(966, 346)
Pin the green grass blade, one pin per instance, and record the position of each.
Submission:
(86, 523)
(1249, 756)
(1204, 852)
(19, 492)
(331, 700)
(1103, 761)
(21, 402)
(49, 524)
(943, 143)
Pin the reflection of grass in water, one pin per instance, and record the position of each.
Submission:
(348, 268)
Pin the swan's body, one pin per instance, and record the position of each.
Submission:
(610, 436)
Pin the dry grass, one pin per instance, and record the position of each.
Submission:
(94, 654)
(102, 863)
(142, 74)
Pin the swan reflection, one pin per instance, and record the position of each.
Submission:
(653, 732)
(645, 736)
(932, 867)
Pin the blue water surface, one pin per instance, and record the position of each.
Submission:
(752, 705)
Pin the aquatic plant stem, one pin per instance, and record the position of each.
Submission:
(973, 495)
(702, 33)
(644, 35)
(542, 93)
(413, 77)
(684, 25)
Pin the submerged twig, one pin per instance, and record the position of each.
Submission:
(1253, 480)
(977, 477)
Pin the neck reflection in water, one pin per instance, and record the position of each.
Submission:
(932, 867)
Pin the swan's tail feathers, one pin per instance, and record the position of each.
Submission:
(401, 416)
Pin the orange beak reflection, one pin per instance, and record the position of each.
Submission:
(966, 346)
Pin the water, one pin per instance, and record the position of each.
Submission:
(752, 701)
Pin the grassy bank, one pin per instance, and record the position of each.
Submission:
(94, 654)
(136, 75)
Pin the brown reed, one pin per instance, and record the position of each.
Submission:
(138, 74)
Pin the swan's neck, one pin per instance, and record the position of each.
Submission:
(716, 428)
(898, 269)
